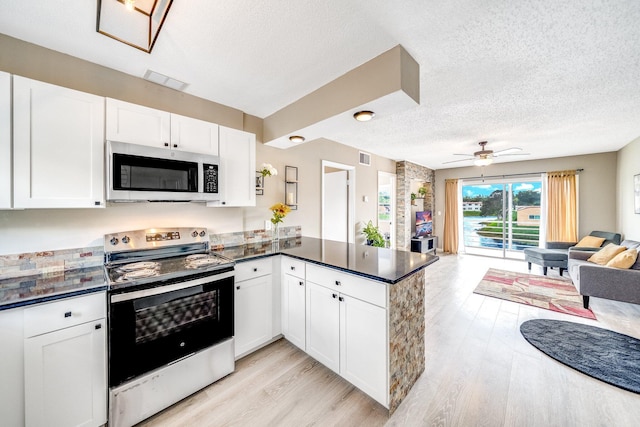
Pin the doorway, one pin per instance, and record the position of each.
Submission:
(387, 207)
(338, 201)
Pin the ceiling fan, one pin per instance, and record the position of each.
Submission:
(485, 157)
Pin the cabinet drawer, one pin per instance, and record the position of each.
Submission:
(64, 313)
(349, 284)
(293, 267)
(246, 270)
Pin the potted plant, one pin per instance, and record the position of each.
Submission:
(422, 191)
(374, 237)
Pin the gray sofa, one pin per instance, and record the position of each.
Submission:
(604, 282)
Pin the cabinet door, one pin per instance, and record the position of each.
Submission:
(136, 124)
(293, 310)
(5, 140)
(65, 377)
(323, 326)
(58, 143)
(237, 167)
(253, 314)
(12, 367)
(193, 135)
(363, 347)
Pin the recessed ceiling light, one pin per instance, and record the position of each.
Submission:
(296, 139)
(364, 116)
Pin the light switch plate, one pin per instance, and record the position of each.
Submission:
(267, 225)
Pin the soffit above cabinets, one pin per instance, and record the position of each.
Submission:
(388, 84)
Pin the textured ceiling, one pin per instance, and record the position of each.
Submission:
(555, 78)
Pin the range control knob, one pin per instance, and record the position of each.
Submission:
(194, 234)
(202, 233)
(125, 239)
(114, 241)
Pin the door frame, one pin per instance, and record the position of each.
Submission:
(394, 184)
(351, 194)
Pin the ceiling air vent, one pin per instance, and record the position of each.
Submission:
(365, 159)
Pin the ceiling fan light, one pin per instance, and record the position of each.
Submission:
(483, 161)
(364, 116)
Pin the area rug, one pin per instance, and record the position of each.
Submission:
(606, 355)
(540, 291)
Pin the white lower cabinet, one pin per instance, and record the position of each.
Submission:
(364, 346)
(293, 309)
(253, 309)
(65, 362)
(12, 367)
(323, 326)
(346, 328)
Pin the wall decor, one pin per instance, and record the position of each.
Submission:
(291, 186)
(259, 184)
(636, 192)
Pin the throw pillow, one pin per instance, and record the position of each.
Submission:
(606, 254)
(590, 242)
(624, 259)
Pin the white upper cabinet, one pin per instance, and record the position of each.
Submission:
(58, 146)
(193, 135)
(136, 124)
(5, 140)
(237, 168)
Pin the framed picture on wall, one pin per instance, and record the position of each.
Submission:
(636, 192)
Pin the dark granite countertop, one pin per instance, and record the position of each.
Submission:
(385, 265)
(28, 290)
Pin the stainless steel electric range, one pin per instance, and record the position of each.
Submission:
(170, 319)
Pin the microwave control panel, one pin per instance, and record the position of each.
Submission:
(210, 178)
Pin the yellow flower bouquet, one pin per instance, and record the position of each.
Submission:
(279, 210)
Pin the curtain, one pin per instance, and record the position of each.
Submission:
(562, 209)
(450, 241)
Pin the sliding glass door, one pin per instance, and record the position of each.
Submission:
(501, 218)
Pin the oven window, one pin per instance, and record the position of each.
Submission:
(157, 317)
(139, 173)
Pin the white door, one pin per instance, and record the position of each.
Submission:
(252, 314)
(323, 326)
(363, 347)
(5, 140)
(137, 124)
(293, 325)
(338, 202)
(58, 146)
(65, 377)
(237, 168)
(193, 135)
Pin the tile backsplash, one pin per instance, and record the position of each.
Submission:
(51, 262)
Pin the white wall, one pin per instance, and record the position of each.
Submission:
(597, 186)
(628, 165)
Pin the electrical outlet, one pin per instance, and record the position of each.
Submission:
(267, 225)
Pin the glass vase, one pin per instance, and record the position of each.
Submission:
(275, 232)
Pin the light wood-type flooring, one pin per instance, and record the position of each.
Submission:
(479, 371)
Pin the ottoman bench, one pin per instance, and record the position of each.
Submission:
(547, 258)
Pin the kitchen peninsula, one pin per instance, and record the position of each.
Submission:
(357, 309)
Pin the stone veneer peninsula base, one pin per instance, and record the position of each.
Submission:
(406, 336)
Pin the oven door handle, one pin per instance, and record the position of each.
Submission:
(127, 296)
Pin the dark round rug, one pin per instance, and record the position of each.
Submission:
(606, 355)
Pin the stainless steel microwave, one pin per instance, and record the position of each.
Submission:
(142, 173)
